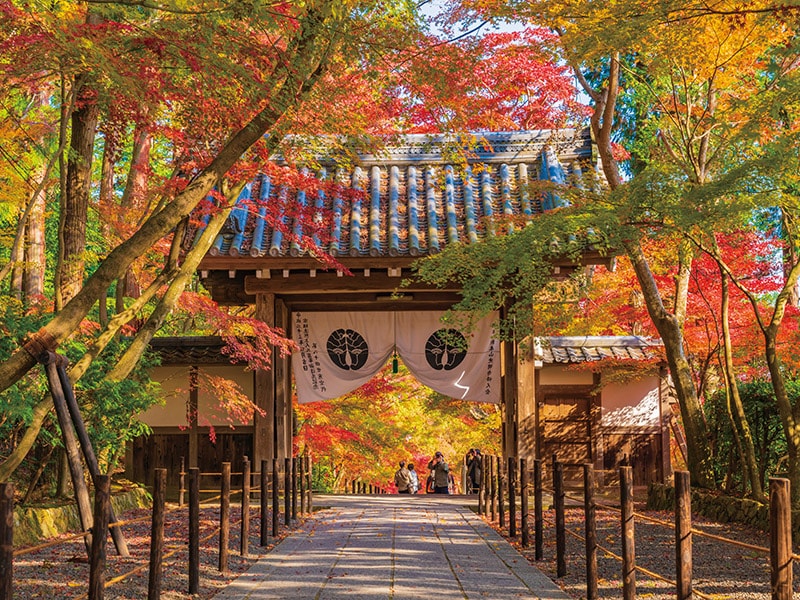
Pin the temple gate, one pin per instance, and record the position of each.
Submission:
(413, 205)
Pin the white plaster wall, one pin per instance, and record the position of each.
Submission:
(633, 403)
(209, 403)
(554, 375)
(175, 392)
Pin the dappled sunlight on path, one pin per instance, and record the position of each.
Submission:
(374, 547)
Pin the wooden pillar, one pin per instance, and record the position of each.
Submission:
(596, 440)
(509, 392)
(6, 540)
(264, 392)
(191, 417)
(526, 400)
(283, 390)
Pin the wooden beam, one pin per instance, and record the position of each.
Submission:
(330, 282)
(375, 263)
(307, 304)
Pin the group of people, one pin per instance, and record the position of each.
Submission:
(406, 479)
(474, 463)
(440, 480)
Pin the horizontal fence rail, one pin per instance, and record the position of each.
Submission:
(498, 491)
(298, 491)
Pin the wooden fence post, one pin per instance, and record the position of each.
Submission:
(492, 485)
(481, 489)
(294, 488)
(309, 491)
(157, 534)
(194, 530)
(589, 514)
(244, 538)
(486, 477)
(97, 559)
(264, 487)
(301, 484)
(683, 535)
(182, 483)
(523, 502)
(6, 540)
(628, 546)
(512, 496)
(561, 530)
(224, 516)
(780, 539)
(501, 492)
(287, 491)
(276, 513)
(538, 514)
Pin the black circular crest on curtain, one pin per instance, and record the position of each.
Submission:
(348, 349)
(445, 349)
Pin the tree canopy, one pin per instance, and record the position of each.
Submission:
(124, 122)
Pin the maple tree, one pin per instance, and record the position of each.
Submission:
(202, 87)
(128, 118)
(691, 114)
(365, 434)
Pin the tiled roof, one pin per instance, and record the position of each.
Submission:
(571, 350)
(194, 350)
(414, 203)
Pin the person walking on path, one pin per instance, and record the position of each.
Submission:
(402, 479)
(441, 474)
(414, 478)
(474, 460)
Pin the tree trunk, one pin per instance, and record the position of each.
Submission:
(13, 460)
(35, 255)
(75, 199)
(697, 437)
(17, 264)
(791, 427)
(132, 203)
(741, 426)
(789, 413)
(669, 325)
(107, 202)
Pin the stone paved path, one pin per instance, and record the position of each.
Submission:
(393, 547)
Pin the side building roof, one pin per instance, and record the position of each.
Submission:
(582, 349)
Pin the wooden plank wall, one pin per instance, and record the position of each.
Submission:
(164, 450)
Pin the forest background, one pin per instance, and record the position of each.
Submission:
(124, 123)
